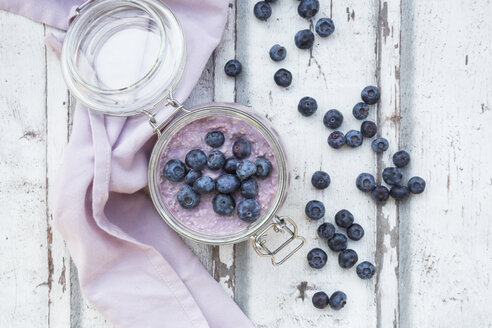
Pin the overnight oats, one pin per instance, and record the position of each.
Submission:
(217, 175)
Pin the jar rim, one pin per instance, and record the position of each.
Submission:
(157, 80)
(203, 112)
(158, 61)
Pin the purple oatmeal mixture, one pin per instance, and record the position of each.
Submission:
(203, 219)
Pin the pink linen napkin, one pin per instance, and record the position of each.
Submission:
(132, 267)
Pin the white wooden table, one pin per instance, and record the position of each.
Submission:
(433, 63)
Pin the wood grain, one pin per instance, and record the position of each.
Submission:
(447, 114)
(224, 257)
(388, 45)
(433, 65)
(202, 93)
(57, 134)
(334, 73)
(215, 85)
(25, 242)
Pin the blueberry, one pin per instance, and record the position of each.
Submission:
(379, 145)
(214, 139)
(360, 111)
(333, 119)
(216, 160)
(308, 8)
(191, 177)
(365, 270)
(347, 258)
(249, 188)
(320, 300)
(325, 27)
(174, 170)
(315, 209)
(196, 159)
(365, 182)
(399, 192)
(368, 129)
(304, 39)
(338, 300)
(223, 204)
(401, 158)
(248, 210)
(262, 10)
(283, 77)
(355, 232)
(263, 167)
(336, 139)
(233, 67)
(353, 138)
(187, 198)
(416, 185)
(317, 258)
(380, 194)
(241, 148)
(320, 180)
(338, 242)
(278, 53)
(307, 106)
(326, 230)
(392, 175)
(245, 169)
(231, 165)
(370, 95)
(227, 184)
(204, 185)
(344, 218)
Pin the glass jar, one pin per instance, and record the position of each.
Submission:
(104, 72)
(120, 57)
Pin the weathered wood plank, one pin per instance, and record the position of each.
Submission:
(445, 111)
(203, 93)
(213, 85)
(224, 267)
(334, 73)
(25, 272)
(447, 114)
(57, 117)
(388, 119)
(67, 305)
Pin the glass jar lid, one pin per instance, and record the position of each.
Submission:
(120, 57)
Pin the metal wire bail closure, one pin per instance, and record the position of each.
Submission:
(171, 101)
(279, 225)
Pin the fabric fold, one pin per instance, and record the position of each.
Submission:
(132, 267)
(55, 13)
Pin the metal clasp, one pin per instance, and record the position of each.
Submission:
(279, 225)
(171, 101)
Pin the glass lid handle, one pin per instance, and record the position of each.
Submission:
(82, 6)
(279, 225)
(171, 101)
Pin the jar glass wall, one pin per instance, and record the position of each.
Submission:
(187, 132)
